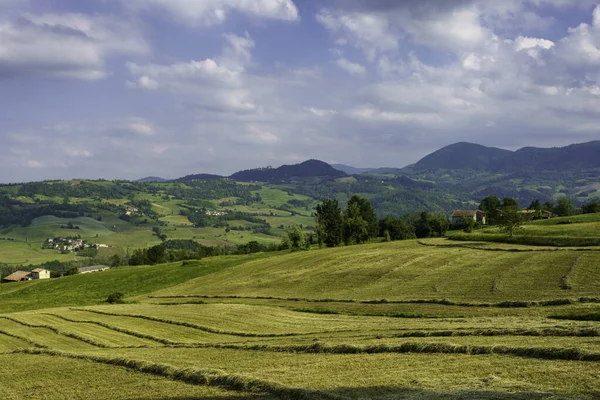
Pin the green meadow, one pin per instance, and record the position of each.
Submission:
(434, 319)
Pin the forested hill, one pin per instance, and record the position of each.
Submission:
(307, 169)
(469, 156)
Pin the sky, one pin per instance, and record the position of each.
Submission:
(123, 89)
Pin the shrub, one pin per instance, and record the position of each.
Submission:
(116, 298)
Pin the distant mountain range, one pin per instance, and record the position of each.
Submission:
(465, 167)
(461, 156)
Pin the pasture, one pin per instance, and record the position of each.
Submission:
(401, 320)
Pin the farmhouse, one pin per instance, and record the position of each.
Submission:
(538, 214)
(17, 276)
(40, 273)
(476, 215)
(95, 268)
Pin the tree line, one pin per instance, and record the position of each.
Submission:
(358, 223)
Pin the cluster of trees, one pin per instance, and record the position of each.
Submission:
(70, 225)
(213, 190)
(12, 212)
(174, 250)
(358, 223)
(200, 219)
(67, 189)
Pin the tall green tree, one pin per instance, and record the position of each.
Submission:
(592, 207)
(397, 228)
(491, 206)
(360, 221)
(511, 219)
(329, 223)
(565, 207)
(296, 237)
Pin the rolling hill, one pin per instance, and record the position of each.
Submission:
(307, 169)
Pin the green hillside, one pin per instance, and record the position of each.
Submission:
(495, 322)
(406, 271)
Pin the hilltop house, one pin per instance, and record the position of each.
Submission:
(95, 268)
(476, 215)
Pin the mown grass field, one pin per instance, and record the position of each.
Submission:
(402, 320)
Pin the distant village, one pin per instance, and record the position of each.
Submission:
(70, 244)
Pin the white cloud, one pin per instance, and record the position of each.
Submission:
(213, 12)
(141, 127)
(320, 112)
(581, 47)
(370, 32)
(351, 67)
(526, 43)
(213, 84)
(260, 135)
(65, 45)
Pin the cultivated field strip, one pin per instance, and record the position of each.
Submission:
(405, 271)
(45, 336)
(160, 333)
(201, 328)
(97, 335)
(213, 377)
(80, 379)
(10, 342)
(362, 375)
(279, 322)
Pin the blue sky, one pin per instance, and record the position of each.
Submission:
(131, 88)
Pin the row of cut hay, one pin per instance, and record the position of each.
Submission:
(58, 332)
(503, 304)
(215, 378)
(547, 353)
(374, 314)
(541, 332)
(192, 325)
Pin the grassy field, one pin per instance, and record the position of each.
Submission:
(401, 320)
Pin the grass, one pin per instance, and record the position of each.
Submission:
(79, 290)
(376, 321)
(54, 378)
(406, 271)
(23, 253)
